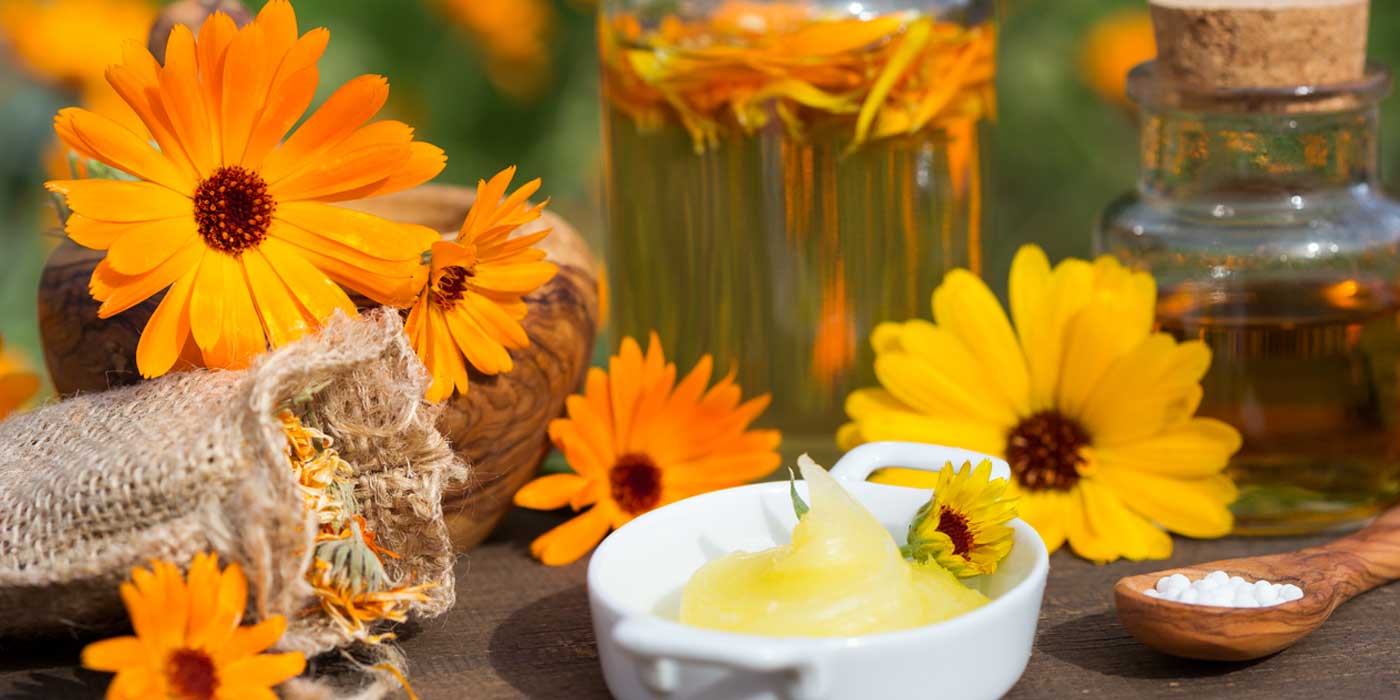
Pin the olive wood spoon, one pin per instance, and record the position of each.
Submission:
(1329, 575)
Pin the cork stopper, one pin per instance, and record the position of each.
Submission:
(1233, 44)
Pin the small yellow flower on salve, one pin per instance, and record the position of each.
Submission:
(241, 228)
(17, 383)
(473, 298)
(963, 526)
(188, 642)
(1093, 410)
(1114, 46)
(637, 439)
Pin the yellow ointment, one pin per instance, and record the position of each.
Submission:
(842, 575)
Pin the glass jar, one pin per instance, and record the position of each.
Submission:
(782, 176)
(1260, 214)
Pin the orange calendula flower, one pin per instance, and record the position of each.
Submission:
(1113, 47)
(636, 439)
(472, 304)
(515, 39)
(188, 643)
(238, 224)
(17, 384)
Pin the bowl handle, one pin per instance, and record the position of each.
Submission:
(660, 652)
(859, 463)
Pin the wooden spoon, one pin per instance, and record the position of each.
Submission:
(1329, 575)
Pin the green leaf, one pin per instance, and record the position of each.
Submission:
(798, 505)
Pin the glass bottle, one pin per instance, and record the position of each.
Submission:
(782, 176)
(1261, 216)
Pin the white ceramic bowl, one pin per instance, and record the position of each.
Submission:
(636, 575)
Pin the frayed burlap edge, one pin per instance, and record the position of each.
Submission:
(212, 474)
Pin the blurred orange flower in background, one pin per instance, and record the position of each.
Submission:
(636, 440)
(239, 224)
(1114, 46)
(514, 36)
(69, 44)
(17, 384)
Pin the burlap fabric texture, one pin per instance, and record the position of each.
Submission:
(95, 485)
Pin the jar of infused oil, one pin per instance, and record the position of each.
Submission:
(1260, 214)
(782, 176)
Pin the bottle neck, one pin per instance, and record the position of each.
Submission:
(1213, 158)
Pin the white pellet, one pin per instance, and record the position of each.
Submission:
(1222, 590)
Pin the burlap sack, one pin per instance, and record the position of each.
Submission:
(95, 485)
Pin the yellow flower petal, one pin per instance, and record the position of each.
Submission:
(964, 305)
(1196, 508)
(1042, 302)
(1106, 530)
(1196, 449)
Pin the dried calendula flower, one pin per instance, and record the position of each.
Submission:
(347, 572)
(881, 76)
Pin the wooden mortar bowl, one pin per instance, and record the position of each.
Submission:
(499, 427)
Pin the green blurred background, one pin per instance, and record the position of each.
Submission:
(496, 82)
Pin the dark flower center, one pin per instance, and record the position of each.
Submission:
(451, 286)
(636, 483)
(1043, 451)
(232, 209)
(191, 674)
(954, 525)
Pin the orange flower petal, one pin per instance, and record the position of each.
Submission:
(346, 110)
(317, 293)
(483, 351)
(117, 201)
(144, 247)
(365, 234)
(265, 670)
(114, 654)
(126, 291)
(207, 299)
(569, 542)
(114, 145)
(164, 335)
(254, 639)
(284, 320)
(550, 492)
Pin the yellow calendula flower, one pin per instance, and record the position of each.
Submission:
(1093, 410)
(471, 306)
(637, 439)
(239, 227)
(17, 383)
(188, 643)
(963, 526)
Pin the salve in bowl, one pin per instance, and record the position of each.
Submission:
(636, 577)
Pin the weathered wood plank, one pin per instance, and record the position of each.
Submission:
(523, 630)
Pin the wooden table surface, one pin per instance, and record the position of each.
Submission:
(522, 630)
